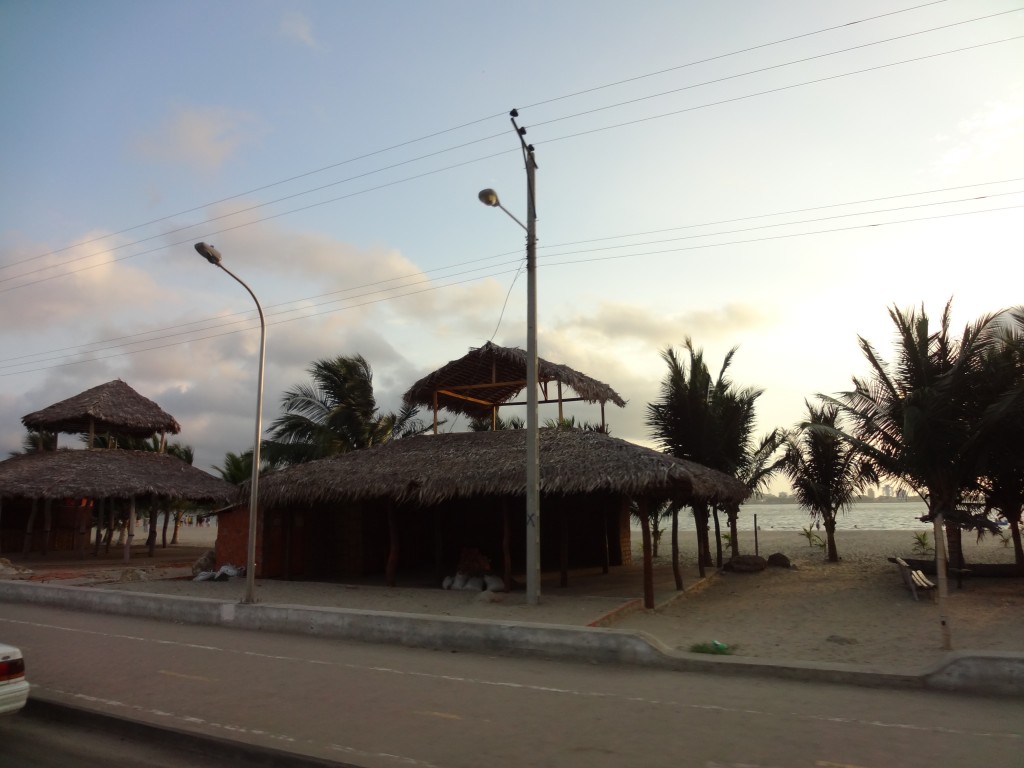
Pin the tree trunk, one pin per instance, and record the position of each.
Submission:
(701, 541)
(177, 525)
(954, 537)
(718, 537)
(943, 589)
(645, 530)
(830, 537)
(734, 538)
(676, 571)
(1018, 550)
(131, 530)
(151, 538)
(167, 519)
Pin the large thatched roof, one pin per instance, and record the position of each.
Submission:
(493, 375)
(112, 407)
(430, 469)
(106, 474)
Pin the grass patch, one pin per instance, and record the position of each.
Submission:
(714, 647)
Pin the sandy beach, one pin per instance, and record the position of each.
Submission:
(857, 611)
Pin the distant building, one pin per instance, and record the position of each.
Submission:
(871, 493)
(887, 490)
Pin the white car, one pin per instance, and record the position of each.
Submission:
(13, 685)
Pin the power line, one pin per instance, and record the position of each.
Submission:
(726, 55)
(773, 67)
(450, 167)
(481, 277)
(772, 90)
(457, 265)
(469, 124)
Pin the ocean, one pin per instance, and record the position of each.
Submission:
(867, 515)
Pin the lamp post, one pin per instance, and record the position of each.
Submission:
(212, 255)
(490, 197)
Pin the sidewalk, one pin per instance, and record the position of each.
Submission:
(597, 617)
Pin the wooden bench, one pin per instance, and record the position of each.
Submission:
(913, 578)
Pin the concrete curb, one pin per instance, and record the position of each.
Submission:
(965, 671)
(217, 751)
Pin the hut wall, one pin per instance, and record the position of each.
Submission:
(232, 545)
(67, 517)
(339, 542)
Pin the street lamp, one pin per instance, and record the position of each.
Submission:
(212, 255)
(490, 198)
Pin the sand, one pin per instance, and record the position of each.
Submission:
(857, 611)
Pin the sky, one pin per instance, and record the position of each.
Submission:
(772, 176)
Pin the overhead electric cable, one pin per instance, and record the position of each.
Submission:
(466, 125)
(770, 68)
(479, 159)
(351, 289)
(481, 277)
(766, 92)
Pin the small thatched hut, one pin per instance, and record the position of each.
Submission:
(428, 498)
(74, 480)
(113, 407)
(477, 384)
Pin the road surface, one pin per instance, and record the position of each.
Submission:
(384, 707)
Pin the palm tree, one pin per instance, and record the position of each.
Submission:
(826, 471)
(758, 466)
(335, 413)
(704, 420)
(1003, 461)
(484, 423)
(236, 469)
(920, 419)
(924, 420)
(35, 441)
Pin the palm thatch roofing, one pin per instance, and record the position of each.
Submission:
(108, 474)
(491, 375)
(112, 407)
(430, 469)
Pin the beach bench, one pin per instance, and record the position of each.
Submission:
(913, 578)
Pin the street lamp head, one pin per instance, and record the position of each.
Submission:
(209, 253)
(488, 197)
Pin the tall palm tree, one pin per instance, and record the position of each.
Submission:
(920, 418)
(335, 413)
(1003, 461)
(826, 471)
(705, 420)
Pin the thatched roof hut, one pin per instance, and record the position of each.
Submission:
(112, 407)
(108, 474)
(430, 469)
(490, 376)
(584, 477)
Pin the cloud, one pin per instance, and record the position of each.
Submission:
(297, 27)
(983, 135)
(201, 138)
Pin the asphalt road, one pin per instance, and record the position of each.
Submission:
(383, 707)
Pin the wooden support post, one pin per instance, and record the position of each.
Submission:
(392, 566)
(131, 530)
(506, 544)
(560, 416)
(27, 547)
(438, 547)
(47, 523)
(83, 514)
(564, 579)
(604, 526)
(645, 529)
(435, 411)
